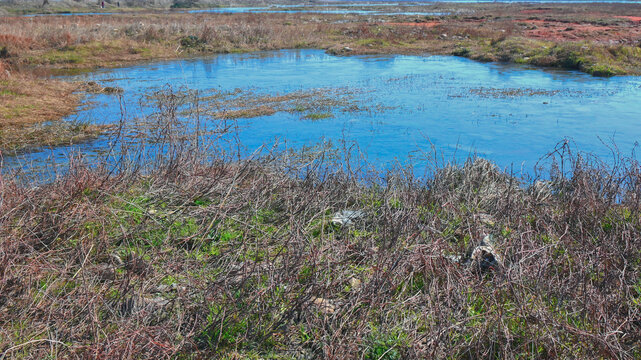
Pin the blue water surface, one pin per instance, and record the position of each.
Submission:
(510, 114)
(402, 7)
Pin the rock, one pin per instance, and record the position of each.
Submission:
(347, 48)
(482, 258)
(355, 283)
(487, 219)
(325, 306)
(346, 217)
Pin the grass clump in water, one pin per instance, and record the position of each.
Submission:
(318, 116)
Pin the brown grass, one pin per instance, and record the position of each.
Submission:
(86, 41)
(27, 99)
(20, 138)
(188, 254)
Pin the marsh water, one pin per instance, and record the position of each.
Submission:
(331, 8)
(393, 107)
(356, 7)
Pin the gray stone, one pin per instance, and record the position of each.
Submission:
(346, 217)
(482, 258)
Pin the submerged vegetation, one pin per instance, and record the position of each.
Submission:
(18, 139)
(313, 104)
(180, 250)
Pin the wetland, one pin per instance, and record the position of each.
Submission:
(322, 181)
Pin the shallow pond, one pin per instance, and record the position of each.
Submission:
(403, 7)
(356, 8)
(393, 105)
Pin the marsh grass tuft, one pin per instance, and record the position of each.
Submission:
(22, 138)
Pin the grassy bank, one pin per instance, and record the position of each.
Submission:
(241, 261)
(31, 109)
(590, 38)
(183, 251)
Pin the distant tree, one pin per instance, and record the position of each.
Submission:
(45, 2)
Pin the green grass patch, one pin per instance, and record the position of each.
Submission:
(318, 116)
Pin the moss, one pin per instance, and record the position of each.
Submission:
(602, 70)
(462, 51)
(63, 57)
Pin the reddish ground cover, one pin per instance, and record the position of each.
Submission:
(631, 18)
(563, 31)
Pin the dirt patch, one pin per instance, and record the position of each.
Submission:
(561, 31)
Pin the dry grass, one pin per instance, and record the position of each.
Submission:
(20, 138)
(247, 104)
(87, 41)
(27, 99)
(176, 251)
(26, 102)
